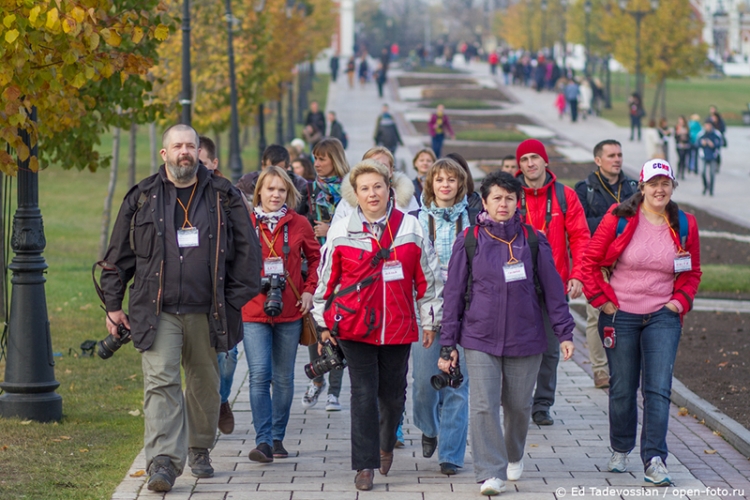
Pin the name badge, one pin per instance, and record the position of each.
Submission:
(273, 265)
(392, 271)
(683, 263)
(514, 272)
(187, 237)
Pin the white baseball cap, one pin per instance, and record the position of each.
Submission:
(653, 168)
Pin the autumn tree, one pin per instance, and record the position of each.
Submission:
(526, 25)
(77, 62)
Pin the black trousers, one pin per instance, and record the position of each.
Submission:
(378, 385)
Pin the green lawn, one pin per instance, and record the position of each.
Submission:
(724, 278)
(491, 135)
(684, 97)
(87, 454)
(433, 68)
(458, 103)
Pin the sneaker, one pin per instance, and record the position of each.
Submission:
(493, 486)
(200, 462)
(515, 469)
(618, 462)
(263, 454)
(310, 398)
(333, 403)
(162, 474)
(657, 473)
(226, 418)
(278, 449)
(601, 379)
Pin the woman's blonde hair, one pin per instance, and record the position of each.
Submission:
(333, 149)
(380, 150)
(451, 168)
(292, 195)
(427, 151)
(368, 167)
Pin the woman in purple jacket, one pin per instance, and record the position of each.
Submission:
(493, 311)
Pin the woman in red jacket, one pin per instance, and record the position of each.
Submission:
(642, 270)
(375, 265)
(273, 319)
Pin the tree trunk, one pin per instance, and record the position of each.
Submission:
(664, 100)
(131, 154)
(654, 107)
(3, 278)
(154, 148)
(217, 141)
(245, 137)
(106, 215)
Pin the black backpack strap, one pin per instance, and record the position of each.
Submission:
(589, 193)
(561, 200)
(473, 213)
(470, 246)
(533, 241)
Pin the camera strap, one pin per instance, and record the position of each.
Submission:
(107, 267)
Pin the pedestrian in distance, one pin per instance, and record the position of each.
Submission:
(604, 187)
(720, 127)
(303, 167)
(422, 162)
(381, 76)
(643, 300)
(316, 118)
(636, 113)
(336, 130)
(554, 210)
(439, 126)
(695, 128)
(375, 269)
(509, 165)
(442, 415)
(331, 168)
(493, 60)
(501, 268)
(273, 320)
(572, 93)
(227, 360)
(351, 68)
(363, 70)
(386, 131)
(683, 146)
(709, 143)
(194, 259)
(334, 66)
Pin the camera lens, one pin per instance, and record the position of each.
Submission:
(608, 342)
(439, 381)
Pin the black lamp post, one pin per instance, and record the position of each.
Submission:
(235, 158)
(587, 10)
(638, 15)
(564, 21)
(261, 132)
(290, 132)
(30, 369)
(280, 116)
(544, 24)
(186, 96)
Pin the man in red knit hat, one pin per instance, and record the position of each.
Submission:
(555, 210)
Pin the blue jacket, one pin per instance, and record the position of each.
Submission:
(711, 151)
(504, 319)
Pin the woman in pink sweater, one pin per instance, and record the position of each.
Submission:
(642, 270)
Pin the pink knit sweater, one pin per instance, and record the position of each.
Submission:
(643, 279)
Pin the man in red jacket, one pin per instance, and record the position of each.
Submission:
(556, 211)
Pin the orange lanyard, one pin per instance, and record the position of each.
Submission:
(186, 208)
(674, 234)
(604, 185)
(512, 259)
(271, 249)
(388, 226)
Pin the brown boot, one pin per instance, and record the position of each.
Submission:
(363, 479)
(601, 379)
(386, 460)
(226, 418)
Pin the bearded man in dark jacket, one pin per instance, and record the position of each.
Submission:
(184, 237)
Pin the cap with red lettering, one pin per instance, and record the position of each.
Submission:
(652, 168)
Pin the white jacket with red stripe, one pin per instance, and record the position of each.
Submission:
(364, 307)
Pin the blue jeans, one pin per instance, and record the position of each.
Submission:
(443, 413)
(644, 352)
(271, 350)
(437, 143)
(227, 365)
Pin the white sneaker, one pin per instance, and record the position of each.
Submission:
(493, 486)
(618, 462)
(515, 469)
(657, 473)
(310, 398)
(333, 403)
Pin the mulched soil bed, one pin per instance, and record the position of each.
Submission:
(458, 126)
(410, 81)
(710, 222)
(498, 119)
(479, 93)
(495, 151)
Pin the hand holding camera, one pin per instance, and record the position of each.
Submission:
(118, 326)
(450, 375)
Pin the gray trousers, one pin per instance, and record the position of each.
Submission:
(546, 380)
(494, 445)
(173, 421)
(597, 356)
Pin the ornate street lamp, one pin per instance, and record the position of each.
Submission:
(544, 24)
(638, 15)
(587, 10)
(186, 95)
(235, 158)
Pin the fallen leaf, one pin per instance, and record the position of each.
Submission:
(67, 438)
(57, 440)
(118, 388)
(717, 433)
(83, 450)
(533, 446)
(135, 413)
(723, 364)
(709, 452)
(26, 422)
(132, 377)
(5, 447)
(683, 412)
(138, 473)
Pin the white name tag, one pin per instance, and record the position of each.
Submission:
(683, 263)
(514, 272)
(187, 237)
(273, 265)
(392, 271)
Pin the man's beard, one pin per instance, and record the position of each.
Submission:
(183, 174)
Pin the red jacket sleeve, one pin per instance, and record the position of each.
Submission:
(597, 290)
(686, 284)
(578, 232)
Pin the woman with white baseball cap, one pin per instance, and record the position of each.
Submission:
(642, 270)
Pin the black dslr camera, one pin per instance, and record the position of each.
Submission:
(453, 379)
(273, 286)
(111, 344)
(331, 359)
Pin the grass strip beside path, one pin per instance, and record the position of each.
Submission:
(491, 135)
(725, 278)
